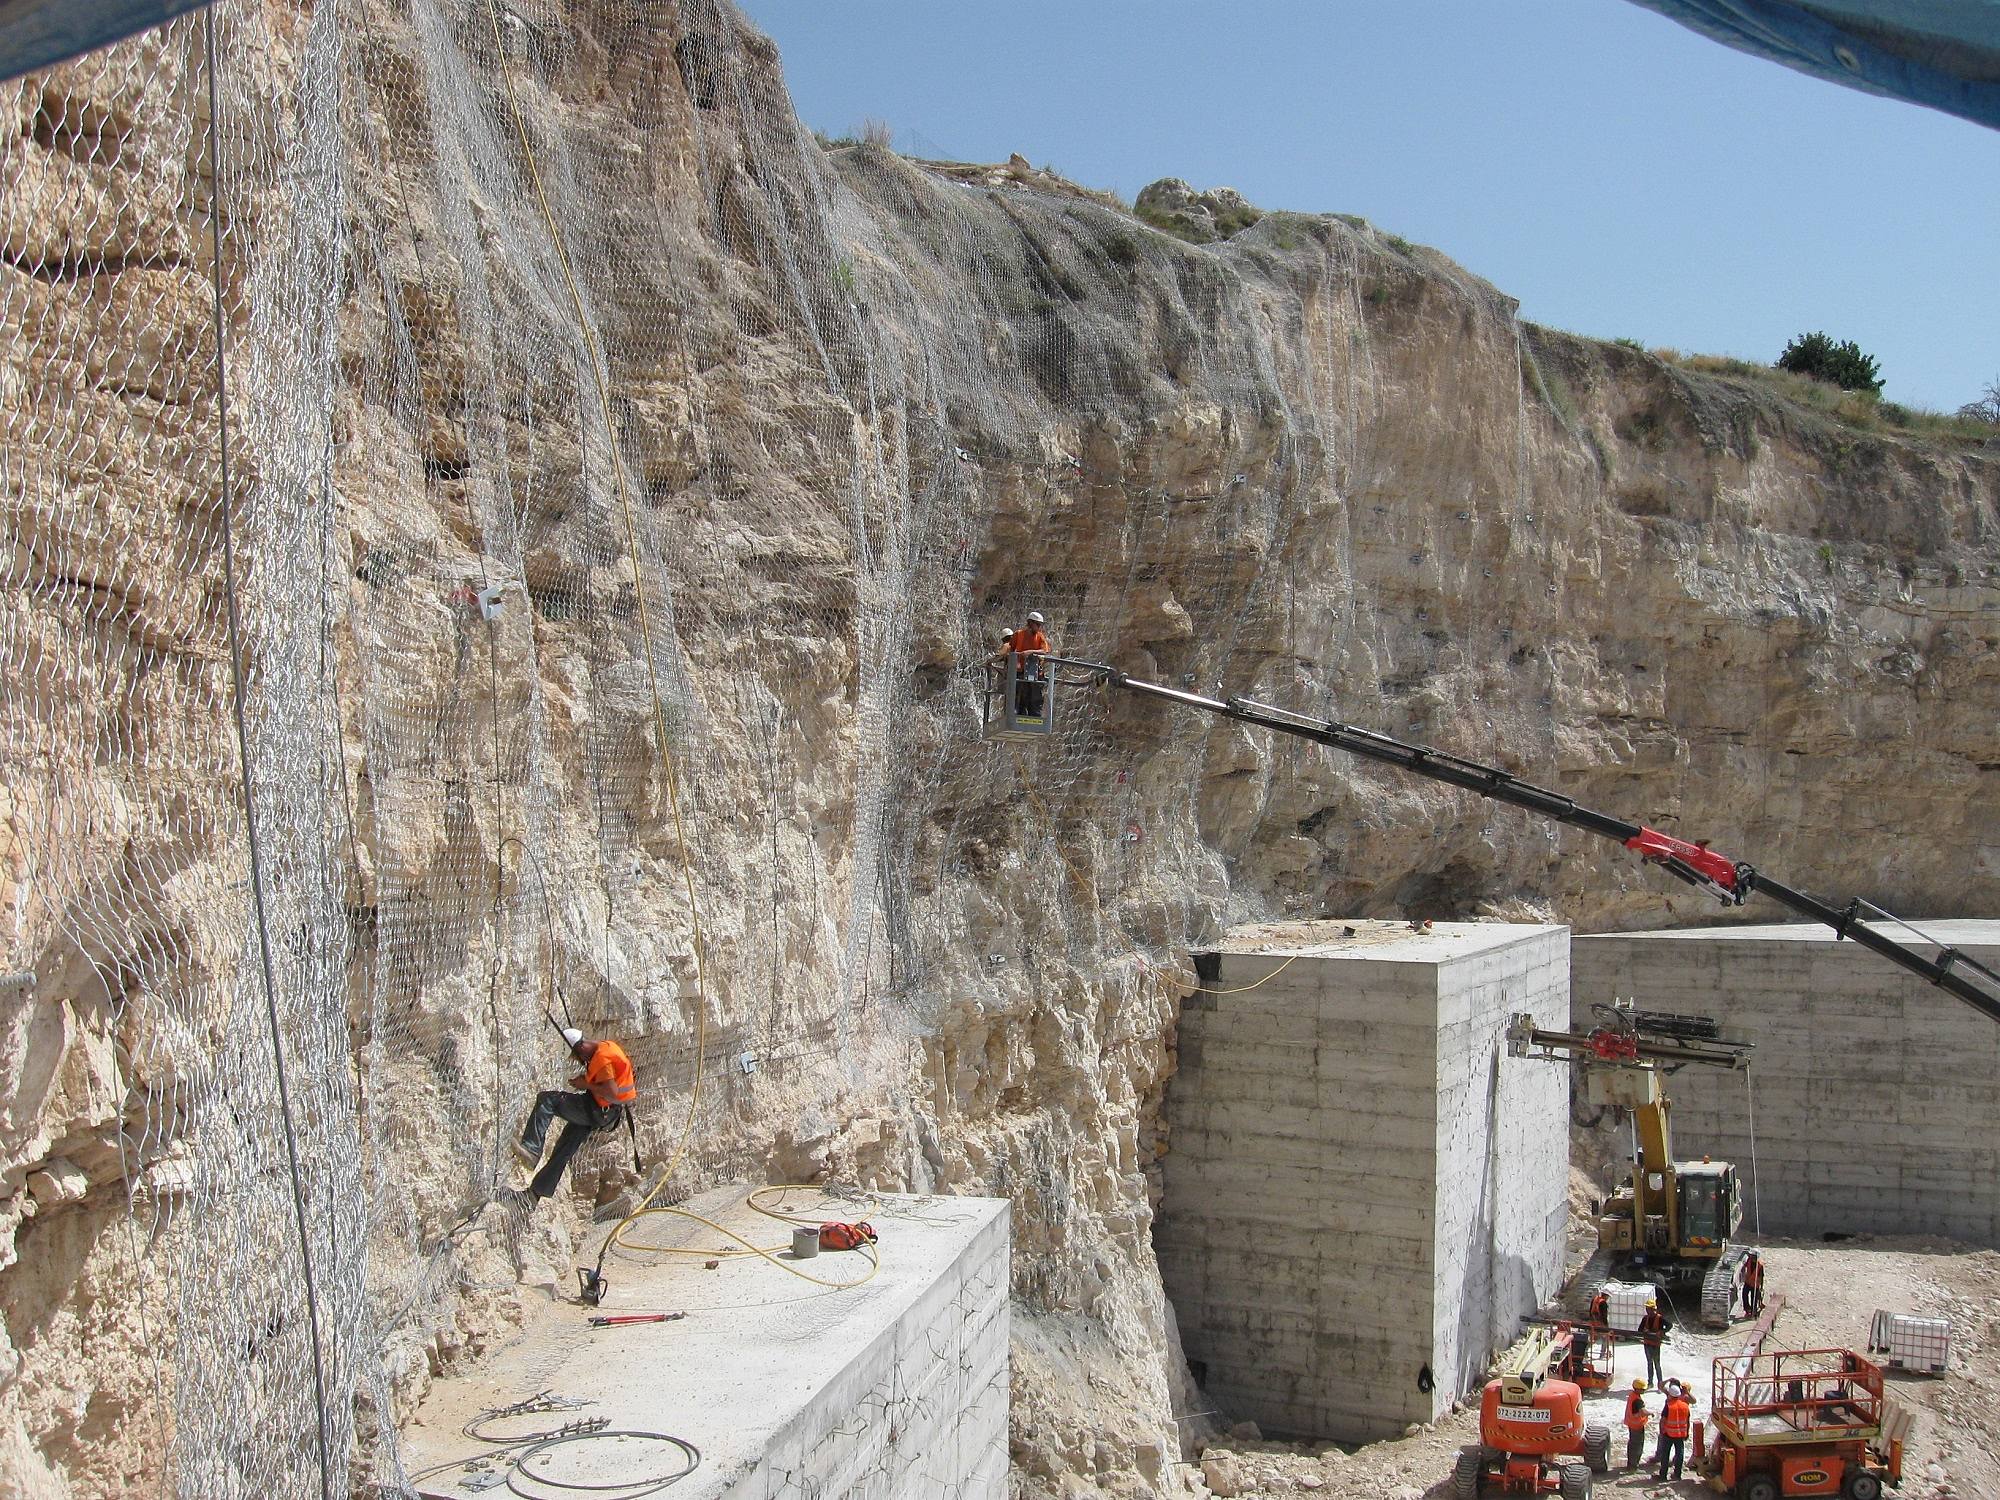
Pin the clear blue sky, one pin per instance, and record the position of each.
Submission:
(1617, 173)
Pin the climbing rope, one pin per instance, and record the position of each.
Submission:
(660, 737)
(1750, 1107)
(748, 1248)
(236, 696)
(627, 1489)
(519, 1452)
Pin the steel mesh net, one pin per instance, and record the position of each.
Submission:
(614, 509)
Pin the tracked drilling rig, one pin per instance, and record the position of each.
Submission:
(1673, 1222)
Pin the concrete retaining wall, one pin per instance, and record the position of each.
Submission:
(892, 1386)
(1874, 1092)
(921, 1410)
(1360, 1187)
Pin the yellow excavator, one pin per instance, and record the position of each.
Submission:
(1673, 1222)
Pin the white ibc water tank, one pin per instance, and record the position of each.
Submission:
(1628, 1301)
(1905, 1342)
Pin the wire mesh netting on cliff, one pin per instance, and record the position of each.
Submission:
(615, 514)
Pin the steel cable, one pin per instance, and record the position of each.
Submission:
(236, 695)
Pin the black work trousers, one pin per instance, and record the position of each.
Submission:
(1671, 1451)
(1652, 1361)
(582, 1117)
(1635, 1447)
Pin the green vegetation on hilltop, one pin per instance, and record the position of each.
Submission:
(1854, 408)
(1841, 364)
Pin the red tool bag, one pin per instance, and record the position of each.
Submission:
(845, 1236)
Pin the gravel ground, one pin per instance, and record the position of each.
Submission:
(1831, 1291)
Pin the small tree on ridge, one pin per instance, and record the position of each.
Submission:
(1840, 364)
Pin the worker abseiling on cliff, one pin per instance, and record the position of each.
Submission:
(604, 1094)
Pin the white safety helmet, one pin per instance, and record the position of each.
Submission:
(1035, 617)
(572, 1036)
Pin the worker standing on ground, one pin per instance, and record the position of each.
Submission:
(1635, 1425)
(1029, 645)
(1753, 1284)
(1652, 1329)
(606, 1090)
(1674, 1422)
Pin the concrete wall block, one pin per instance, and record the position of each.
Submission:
(1199, 1141)
(1267, 1025)
(1864, 1076)
(1284, 1254)
(1319, 1256)
(898, 1390)
(1204, 1188)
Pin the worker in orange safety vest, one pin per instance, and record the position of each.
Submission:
(605, 1091)
(1652, 1330)
(1753, 1284)
(1600, 1310)
(1674, 1422)
(1029, 645)
(1635, 1425)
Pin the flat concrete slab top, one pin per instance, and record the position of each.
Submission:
(1960, 932)
(756, 1346)
(1380, 941)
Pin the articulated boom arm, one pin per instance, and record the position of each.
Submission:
(1523, 1372)
(1731, 881)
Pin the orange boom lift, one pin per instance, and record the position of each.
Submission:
(1532, 1436)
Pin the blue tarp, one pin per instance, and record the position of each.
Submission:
(1943, 53)
(36, 33)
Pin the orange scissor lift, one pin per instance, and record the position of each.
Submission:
(1803, 1422)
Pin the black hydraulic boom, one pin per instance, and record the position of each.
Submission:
(1730, 881)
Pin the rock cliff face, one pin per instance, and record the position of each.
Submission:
(559, 300)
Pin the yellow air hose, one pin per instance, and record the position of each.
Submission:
(748, 1248)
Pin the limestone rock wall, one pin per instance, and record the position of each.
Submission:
(559, 299)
